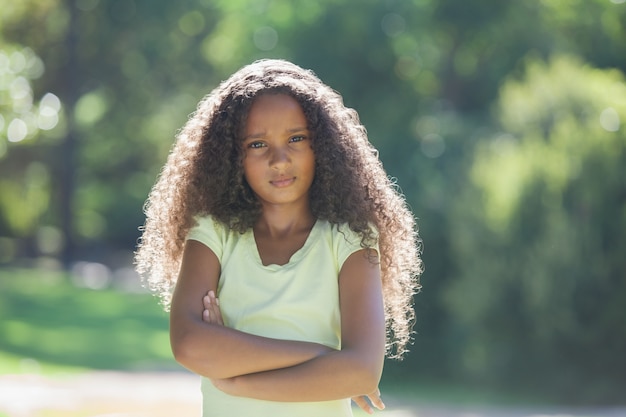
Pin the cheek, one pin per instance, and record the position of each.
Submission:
(251, 170)
(245, 167)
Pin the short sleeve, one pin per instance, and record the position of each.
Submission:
(209, 232)
(348, 242)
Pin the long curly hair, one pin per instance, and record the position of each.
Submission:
(203, 175)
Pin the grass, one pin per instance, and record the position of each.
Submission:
(49, 325)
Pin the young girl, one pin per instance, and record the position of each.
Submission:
(292, 257)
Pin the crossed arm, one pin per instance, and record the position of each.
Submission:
(279, 370)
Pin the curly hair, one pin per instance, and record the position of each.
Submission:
(203, 175)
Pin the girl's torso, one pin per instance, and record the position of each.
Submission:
(298, 300)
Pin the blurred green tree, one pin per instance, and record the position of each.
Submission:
(540, 237)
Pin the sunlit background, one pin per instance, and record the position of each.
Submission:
(502, 122)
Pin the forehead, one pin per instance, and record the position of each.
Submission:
(269, 102)
(274, 109)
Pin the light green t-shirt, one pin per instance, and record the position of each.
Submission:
(295, 301)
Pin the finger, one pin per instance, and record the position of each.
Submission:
(214, 298)
(363, 404)
(215, 313)
(218, 313)
(376, 401)
(208, 314)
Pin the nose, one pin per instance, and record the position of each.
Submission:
(279, 157)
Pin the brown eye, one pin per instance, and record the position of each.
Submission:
(297, 139)
(256, 145)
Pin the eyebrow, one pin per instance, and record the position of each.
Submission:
(261, 134)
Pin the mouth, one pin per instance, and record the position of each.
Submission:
(283, 182)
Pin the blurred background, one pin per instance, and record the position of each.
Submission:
(503, 123)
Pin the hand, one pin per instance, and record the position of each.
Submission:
(211, 313)
(374, 399)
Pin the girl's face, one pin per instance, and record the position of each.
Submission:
(278, 163)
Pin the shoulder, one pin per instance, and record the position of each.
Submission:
(211, 232)
(206, 224)
(343, 232)
(345, 241)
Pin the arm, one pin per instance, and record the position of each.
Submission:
(351, 372)
(213, 350)
(212, 314)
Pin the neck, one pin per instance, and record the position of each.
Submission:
(278, 221)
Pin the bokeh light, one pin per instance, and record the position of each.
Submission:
(393, 24)
(609, 120)
(265, 38)
(20, 117)
(17, 130)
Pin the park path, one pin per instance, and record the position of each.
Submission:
(175, 394)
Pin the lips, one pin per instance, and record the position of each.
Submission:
(283, 182)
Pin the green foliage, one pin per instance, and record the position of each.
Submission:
(552, 121)
(541, 275)
(25, 184)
